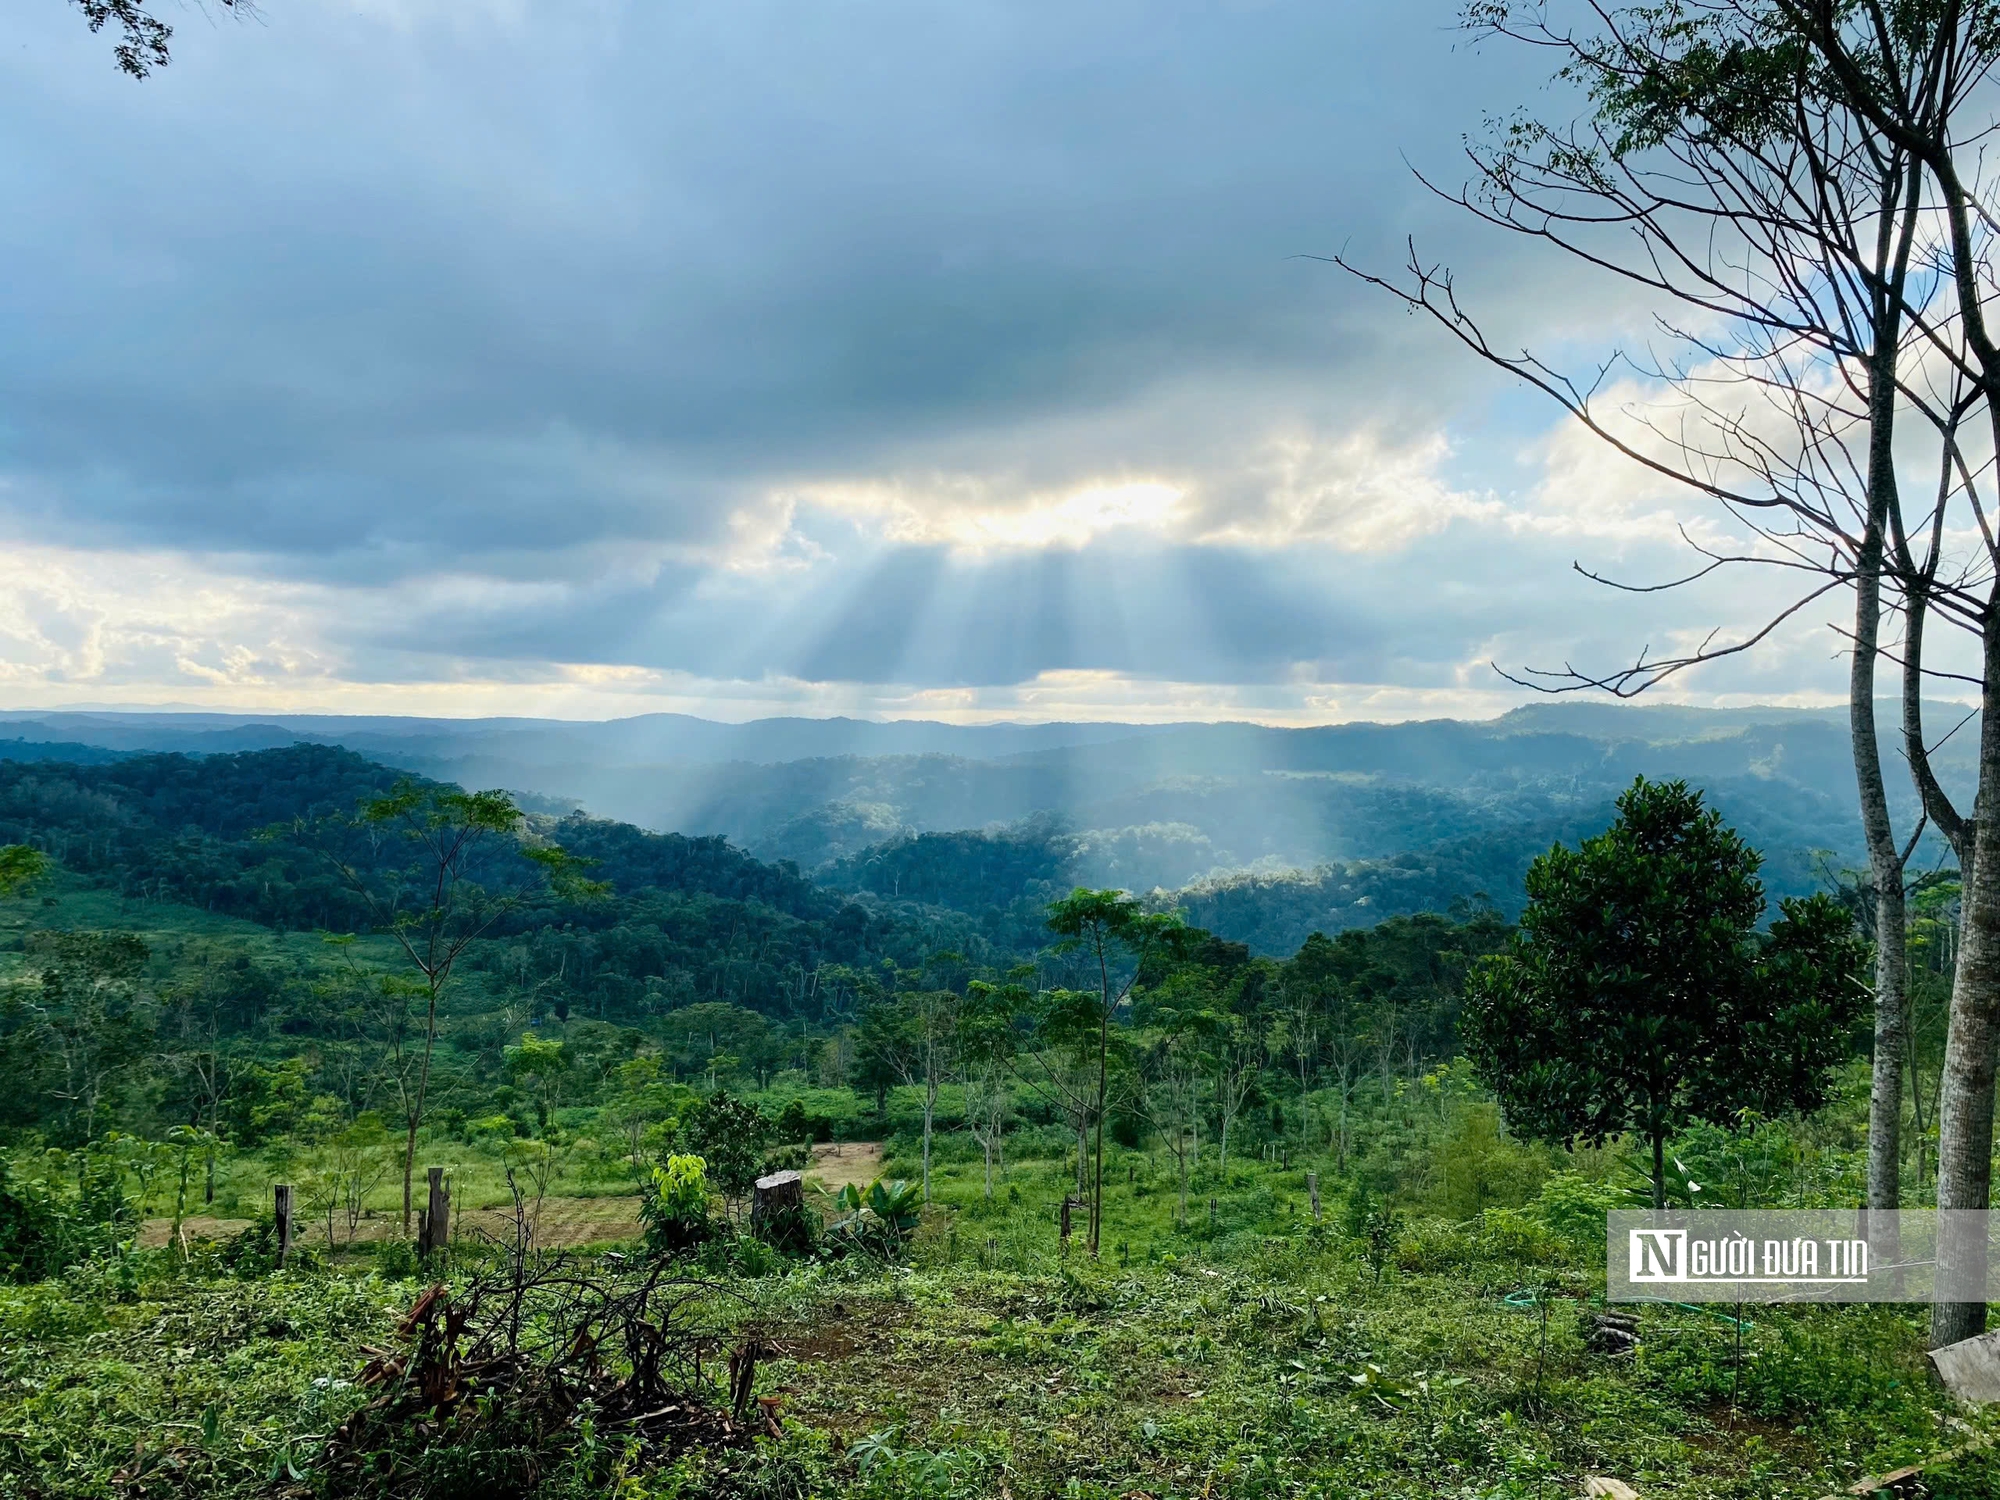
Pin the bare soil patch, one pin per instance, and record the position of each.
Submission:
(156, 1232)
(836, 1164)
(562, 1224)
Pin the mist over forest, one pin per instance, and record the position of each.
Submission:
(1263, 834)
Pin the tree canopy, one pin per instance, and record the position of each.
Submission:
(1639, 996)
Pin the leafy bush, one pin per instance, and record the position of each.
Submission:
(880, 1222)
(1477, 1168)
(784, 1159)
(793, 1124)
(1510, 1235)
(396, 1259)
(1573, 1208)
(1429, 1246)
(44, 1229)
(675, 1213)
(30, 1231)
(251, 1253)
(729, 1136)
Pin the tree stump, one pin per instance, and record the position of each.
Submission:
(778, 1209)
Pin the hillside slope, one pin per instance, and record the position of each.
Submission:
(1271, 832)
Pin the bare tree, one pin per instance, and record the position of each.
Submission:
(85, 998)
(342, 1171)
(1720, 171)
(435, 909)
(986, 1046)
(1233, 1062)
(922, 1041)
(1171, 1100)
(197, 1056)
(989, 1107)
(1913, 74)
(1111, 932)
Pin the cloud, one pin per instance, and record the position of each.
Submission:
(897, 358)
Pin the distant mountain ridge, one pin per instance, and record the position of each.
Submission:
(1332, 826)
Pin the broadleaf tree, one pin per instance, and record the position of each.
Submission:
(1638, 995)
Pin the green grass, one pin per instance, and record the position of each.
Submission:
(1264, 1357)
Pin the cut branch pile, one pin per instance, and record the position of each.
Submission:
(504, 1374)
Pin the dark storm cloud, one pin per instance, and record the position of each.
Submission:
(429, 276)
(507, 333)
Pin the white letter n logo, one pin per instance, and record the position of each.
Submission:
(1657, 1254)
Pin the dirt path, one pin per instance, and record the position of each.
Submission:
(834, 1166)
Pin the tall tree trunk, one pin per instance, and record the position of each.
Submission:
(1965, 1106)
(1103, 1099)
(1885, 865)
(409, 1166)
(416, 1117)
(930, 1108)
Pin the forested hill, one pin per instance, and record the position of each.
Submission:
(248, 835)
(229, 833)
(1263, 835)
(1371, 817)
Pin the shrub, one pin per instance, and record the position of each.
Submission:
(729, 1136)
(881, 1221)
(1508, 1234)
(396, 1259)
(31, 1231)
(793, 1125)
(44, 1230)
(795, 1158)
(1432, 1245)
(1573, 1209)
(675, 1213)
(1475, 1168)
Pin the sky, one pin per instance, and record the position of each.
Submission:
(742, 357)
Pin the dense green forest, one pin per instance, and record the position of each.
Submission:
(1287, 830)
(1047, 1130)
(695, 950)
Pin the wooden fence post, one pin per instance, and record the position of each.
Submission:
(435, 1233)
(281, 1217)
(1312, 1187)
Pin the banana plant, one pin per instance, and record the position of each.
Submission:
(883, 1219)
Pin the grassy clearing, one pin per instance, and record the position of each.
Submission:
(1265, 1357)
